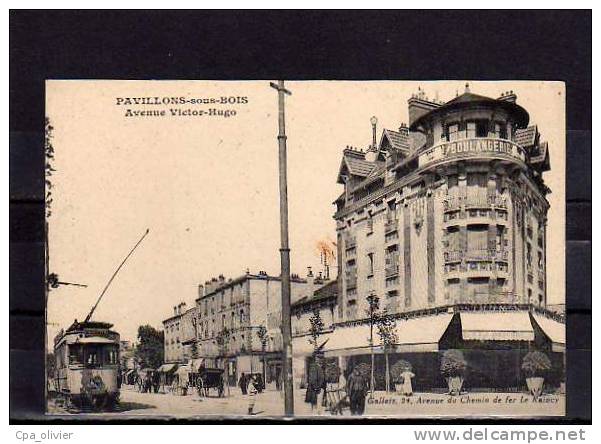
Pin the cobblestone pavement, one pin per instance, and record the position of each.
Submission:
(271, 403)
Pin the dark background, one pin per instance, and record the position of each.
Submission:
(294, 45)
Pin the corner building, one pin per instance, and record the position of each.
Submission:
(445, 221)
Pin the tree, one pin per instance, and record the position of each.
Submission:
(263, 338)
(373, 316)
(388, 337)
(316, 329)
(150, 350)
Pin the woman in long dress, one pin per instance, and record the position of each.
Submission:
(407, 387)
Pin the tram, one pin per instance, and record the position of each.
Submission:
(87, 365)
(87, 358)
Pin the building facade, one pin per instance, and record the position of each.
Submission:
(173, 328)
(231, 315)
(445, 221)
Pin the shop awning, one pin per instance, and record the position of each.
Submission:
(421, 334)
(167, 368)
(497, 326)
(556, 331)
(413, 335)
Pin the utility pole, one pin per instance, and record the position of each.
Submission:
(284, 254)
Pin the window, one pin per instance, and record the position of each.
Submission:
(500, 130)
(75, 354)
(478, 286)
(453, 238)
(370, 264)
(370, 224)
(529, 254)
(471, 130)
(477, 237)
(529, 295)
(453, 131)
(500, 237)
(241, 316)
(482, 128)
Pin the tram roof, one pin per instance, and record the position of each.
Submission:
(90, 324)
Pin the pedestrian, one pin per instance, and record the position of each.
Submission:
(254, 386)
(315, 384)
(357, 388)
(156, 381)
(407, 387)
(243, 383)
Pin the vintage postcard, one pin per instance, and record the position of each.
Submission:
(324, 249)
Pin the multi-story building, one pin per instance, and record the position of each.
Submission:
(173, 328)
(445, 222)
(231, 314)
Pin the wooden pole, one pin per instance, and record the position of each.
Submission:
(284, 253)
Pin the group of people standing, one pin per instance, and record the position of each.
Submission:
(335, 395)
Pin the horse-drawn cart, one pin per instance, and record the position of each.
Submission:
(209, 378)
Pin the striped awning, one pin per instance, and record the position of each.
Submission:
(420, 334)
(497, 326)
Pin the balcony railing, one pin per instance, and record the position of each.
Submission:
(350, 242)
(452, 203)
(391, 225)
(392, 270)
(476, 255)
(453, 256)
(455, 203)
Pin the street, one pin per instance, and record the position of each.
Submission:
(271, 403)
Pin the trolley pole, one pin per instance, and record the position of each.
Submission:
(284, 254)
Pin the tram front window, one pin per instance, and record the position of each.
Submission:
(75, 354)
(99, 355)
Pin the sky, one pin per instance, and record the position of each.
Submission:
(207, 186)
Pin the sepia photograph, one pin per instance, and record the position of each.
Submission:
(320, 249)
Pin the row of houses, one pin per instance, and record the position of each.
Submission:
(234, 323)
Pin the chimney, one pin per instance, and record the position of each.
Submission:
(175, 310)
(310, 283)
(508, 96)
(404, 129)
(201, 290)
(183, 309)
(419, 105)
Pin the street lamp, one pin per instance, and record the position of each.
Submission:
(374, 122)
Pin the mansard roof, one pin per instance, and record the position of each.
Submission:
(469, 99)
